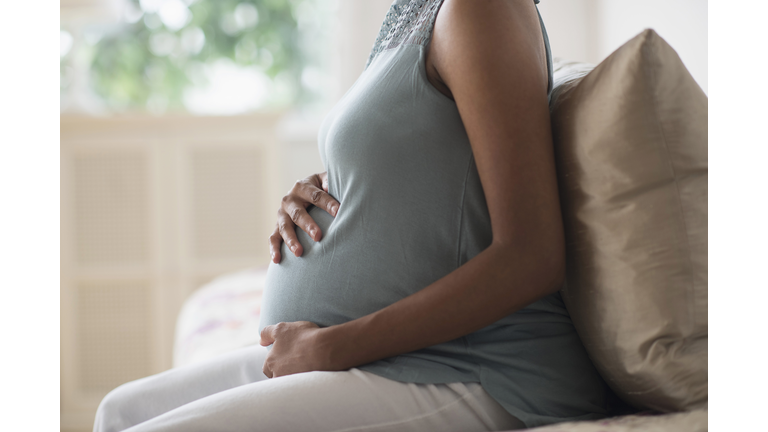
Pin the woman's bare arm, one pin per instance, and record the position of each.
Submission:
(489, 54)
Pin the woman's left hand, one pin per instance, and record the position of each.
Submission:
(296, 347)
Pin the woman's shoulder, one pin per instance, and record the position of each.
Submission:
(486, 26)
(471, 33)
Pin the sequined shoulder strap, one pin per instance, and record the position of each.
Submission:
(407, 22)
(412, 21)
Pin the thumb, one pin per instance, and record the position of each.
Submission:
(267, 335)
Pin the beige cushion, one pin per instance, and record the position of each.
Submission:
(693, 421)
(631, 149)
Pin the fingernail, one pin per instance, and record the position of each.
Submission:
(312, 232)
(293, 248)
(273, 256)
(334, 209)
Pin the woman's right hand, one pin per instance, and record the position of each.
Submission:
(292, 213)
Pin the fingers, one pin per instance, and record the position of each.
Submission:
(297, 213)
(268, 335)
(285, 227)
(293, 212)
(324, 180)
(275, 240)
(290, 340)
(311, 193)
(268, 338)
(266, 368)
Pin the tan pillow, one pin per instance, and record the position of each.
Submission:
(631, 149)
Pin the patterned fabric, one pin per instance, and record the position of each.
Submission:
(221, 316)
(412, 21)
(407, 22)
(414, 26)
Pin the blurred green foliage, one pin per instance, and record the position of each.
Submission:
(146, 58)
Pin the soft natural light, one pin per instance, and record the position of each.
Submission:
(151, 6)
(246, 15)
(205, 57)
(231, 89)
(131, 14)
(192, 40)
(162, 44)
(66, 42)
(174, 14)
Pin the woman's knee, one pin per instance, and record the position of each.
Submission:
(114, 413)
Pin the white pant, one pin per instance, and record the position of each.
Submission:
(230, 393)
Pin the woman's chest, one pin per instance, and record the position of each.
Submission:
(393, 122)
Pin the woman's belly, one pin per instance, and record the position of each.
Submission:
(357, 268)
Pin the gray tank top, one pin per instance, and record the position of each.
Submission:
(412, 210)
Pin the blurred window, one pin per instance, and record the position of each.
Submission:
(214, 57)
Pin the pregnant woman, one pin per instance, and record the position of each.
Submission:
(420, 290)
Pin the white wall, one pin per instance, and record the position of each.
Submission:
(356, 27)
(572, 28)
(682, 23)
(590, 30)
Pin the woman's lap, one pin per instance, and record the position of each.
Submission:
(231, 394)
(143, 399)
